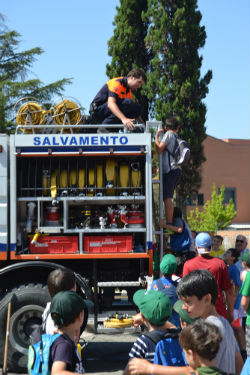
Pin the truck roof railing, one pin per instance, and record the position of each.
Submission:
(59, 129)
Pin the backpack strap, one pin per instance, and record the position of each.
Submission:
(159, 284)
(172, 153)
(155, 336)
(172, 333)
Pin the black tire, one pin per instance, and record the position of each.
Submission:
(85, 320)
(27, 304)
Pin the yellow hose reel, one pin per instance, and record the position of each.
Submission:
(116, 322)
(67, 112)
(30, 113)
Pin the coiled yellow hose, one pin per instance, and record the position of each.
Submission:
(119, 323)
(67, 112)
(63, 179)
(53, 184)
(30, 113)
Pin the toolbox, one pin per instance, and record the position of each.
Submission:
(55, 245)
(108, 244)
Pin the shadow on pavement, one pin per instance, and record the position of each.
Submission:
(106, 356)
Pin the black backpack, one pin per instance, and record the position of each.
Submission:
(180, 153)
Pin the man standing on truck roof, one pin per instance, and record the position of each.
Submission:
(113, 104)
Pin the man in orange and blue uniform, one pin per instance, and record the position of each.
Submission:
(113, 104)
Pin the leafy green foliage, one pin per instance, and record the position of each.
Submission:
(14, 70)
(175, 86)
(215, 214)
(127, 46)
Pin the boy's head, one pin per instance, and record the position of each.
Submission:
(172, 123)
(198, 290)
(217, 242)
(61, 279)
(65, 307)
(168, 265)
(200, 341)
(184, 317)
(231, 256)
(245, 258)
(154, 306)
(203, 243)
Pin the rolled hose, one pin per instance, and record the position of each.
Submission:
(31, 113)
(119, 323)
(71, 109)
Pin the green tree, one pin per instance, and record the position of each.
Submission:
(215, 214)
(14, 69)
(175, 86)
(127, 46)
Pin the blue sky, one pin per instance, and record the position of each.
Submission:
(74, 37)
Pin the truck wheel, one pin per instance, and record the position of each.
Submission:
(27, 305)
(85, 320)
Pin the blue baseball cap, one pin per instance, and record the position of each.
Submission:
(203, 242)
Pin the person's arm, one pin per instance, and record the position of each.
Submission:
(229, 294)
(245, 302)
(142, 366)
(160, 146)
(59, 367)
(236, 292)
(128, 122)
(238, 363)
(174, 228)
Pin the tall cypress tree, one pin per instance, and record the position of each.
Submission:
(14, 69)
(175, 86)
(127, 46)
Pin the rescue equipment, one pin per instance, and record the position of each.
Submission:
(135, 177)
(30, 113)
(111, 165)
(124, 179)
(67, 112)
(119, 321)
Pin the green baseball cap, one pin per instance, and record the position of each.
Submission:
(168, 264)
(245, 257)
(154, 305)
(182, 313)
(66, 306)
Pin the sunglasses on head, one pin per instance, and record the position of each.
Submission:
(241, 241)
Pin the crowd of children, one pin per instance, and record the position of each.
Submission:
(213, 341)
(185, 332)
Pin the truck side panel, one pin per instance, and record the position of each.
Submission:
(3, 196)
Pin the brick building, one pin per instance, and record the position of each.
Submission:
(228, 164)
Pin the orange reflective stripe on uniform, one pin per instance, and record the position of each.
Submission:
(115, 86)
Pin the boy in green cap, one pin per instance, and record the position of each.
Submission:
(166, 285)
(185, 319)
(67, 312)
(155, 309)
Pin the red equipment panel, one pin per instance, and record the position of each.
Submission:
(108, 244)
(55, 245)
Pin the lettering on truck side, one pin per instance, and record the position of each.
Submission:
(79, 141)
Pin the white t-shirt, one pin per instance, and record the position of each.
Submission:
(48, 324)
(169, 139)
(225, 359)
